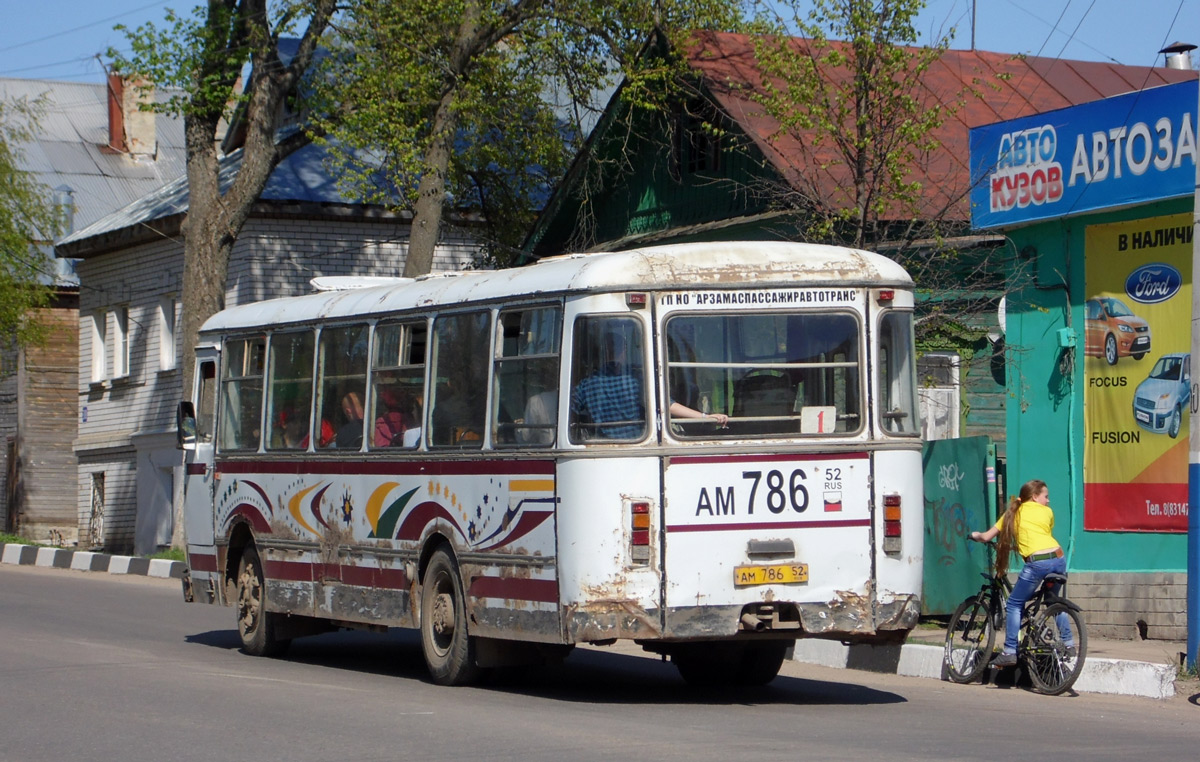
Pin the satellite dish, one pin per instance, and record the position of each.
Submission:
(1000, 313)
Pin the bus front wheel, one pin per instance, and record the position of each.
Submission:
(256, 626)
(448, 648)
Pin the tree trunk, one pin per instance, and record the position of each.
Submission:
(431, 195)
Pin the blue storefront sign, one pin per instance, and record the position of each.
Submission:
(1110, 153)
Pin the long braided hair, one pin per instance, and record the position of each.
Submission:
(1007, 539)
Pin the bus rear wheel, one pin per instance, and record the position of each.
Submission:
(718, 664)
(256, 625)
(449, 650)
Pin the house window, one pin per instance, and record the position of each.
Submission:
(698, 147)
(120, 342)
(939, 394)
(98, 336)
(166, 333)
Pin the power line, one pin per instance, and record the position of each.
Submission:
(82, 26)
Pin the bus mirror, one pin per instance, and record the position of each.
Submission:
(185, 426)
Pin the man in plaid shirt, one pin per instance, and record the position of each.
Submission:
(613, 393)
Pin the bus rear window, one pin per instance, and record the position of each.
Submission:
(897, 374)
(773, 375)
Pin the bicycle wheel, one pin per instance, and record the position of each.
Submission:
(969, 640)
(1054, 648)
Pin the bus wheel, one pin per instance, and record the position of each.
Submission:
(716, 664)
(449, 650)
(256, 625)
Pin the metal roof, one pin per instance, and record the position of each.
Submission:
(982, 87)
(301, 177)
(742, 265)
(69, 148)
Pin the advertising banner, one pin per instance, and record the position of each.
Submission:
(1139, 396)
(1101, 155)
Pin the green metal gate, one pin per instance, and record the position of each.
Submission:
(960, 497)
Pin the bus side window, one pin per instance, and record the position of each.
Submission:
(608, 380)
(291, 384)
(526, 377)
(398, 385)
(460, 354)
(207, 400)
(242, 393)
(342, 381)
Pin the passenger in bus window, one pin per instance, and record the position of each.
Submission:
(680, 410)
(541, 413)
(392, 424)
(350, 435)
(291, 429)
(613, 393)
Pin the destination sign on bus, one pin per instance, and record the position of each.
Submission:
(760, 298)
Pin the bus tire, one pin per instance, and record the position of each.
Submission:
(448, 648)
(256, 625)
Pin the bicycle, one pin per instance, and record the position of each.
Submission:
(1053, 641)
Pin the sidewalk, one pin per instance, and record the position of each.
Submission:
(1128, 667)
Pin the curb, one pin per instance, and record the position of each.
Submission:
(83, 560)
(1118, 676)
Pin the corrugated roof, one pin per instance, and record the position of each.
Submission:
(67, 148)
(301, 177)
(1006, 87)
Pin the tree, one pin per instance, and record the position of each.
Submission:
(202, 59)
(481, 104)
(27, 218)
(850, 94)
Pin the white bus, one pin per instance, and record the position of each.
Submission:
(710, 449)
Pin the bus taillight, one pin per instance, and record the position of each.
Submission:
(639, 535)
(891, 523)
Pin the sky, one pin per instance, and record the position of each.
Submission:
(61, 39)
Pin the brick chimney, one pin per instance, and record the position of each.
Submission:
(130, 130)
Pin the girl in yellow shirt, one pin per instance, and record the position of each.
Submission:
(1025, 527)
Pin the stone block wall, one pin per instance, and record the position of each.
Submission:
(1132, 605)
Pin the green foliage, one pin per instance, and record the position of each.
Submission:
(510, 86)
(199, 58)
(28, 219)
(849, 94)
(171, 554)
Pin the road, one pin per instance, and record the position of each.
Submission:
(99, 667)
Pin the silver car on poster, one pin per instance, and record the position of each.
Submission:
(1159, 401)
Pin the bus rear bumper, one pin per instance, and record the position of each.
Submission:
(850, 617)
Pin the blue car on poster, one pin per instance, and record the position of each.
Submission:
(1159, 401)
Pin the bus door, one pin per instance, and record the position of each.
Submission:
(198, 472)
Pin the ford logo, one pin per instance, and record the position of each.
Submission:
(1153, 283)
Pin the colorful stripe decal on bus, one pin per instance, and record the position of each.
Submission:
(515, 588)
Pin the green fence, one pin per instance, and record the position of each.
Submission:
(960, 496)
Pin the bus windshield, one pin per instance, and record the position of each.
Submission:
(774, 375)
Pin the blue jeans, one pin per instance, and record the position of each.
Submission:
(1031, 576)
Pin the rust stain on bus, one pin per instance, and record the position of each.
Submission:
(606, 620)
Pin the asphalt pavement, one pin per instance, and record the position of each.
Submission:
(1147, 668)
